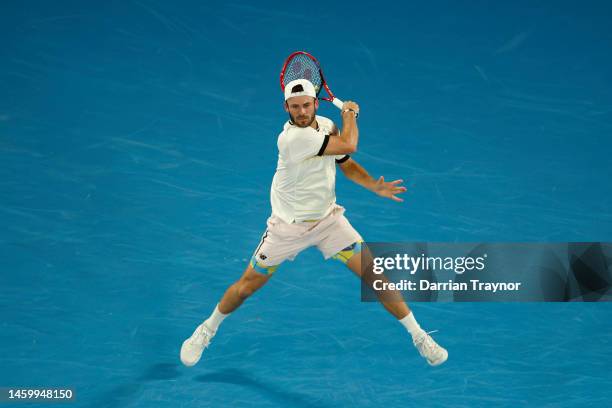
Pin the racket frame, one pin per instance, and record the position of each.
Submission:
(332, 98)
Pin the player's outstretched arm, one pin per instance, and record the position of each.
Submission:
(354, 172)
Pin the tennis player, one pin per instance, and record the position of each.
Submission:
(305, 214)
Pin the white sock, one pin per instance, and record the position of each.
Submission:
(411, 325)
(215, 319)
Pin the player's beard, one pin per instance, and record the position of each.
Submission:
(300, 120)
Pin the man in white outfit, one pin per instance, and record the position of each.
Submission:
(305, 214)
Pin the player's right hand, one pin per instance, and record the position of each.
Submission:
(349, 106)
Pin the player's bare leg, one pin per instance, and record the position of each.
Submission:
(250, 281)
(391, 300)
(394, 303)
(236, 294)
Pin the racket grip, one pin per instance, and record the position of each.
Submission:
(338, 103)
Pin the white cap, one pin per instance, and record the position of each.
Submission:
(307, 87)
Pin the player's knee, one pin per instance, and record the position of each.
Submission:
(245, 290)
(250, 282)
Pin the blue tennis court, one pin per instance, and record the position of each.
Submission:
(137, 147)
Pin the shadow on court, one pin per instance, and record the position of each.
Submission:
(283, 398)
(123, 394)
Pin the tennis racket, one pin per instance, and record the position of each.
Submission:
(302, 65)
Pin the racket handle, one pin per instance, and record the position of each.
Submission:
(338, 103)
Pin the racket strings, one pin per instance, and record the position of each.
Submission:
(302, 67)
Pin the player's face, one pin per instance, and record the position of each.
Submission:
(302, 110)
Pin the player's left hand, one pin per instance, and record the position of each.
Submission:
(389, 190)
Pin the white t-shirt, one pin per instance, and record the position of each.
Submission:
(304, 185)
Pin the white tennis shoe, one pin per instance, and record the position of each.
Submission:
(428, 348)
(192, 348)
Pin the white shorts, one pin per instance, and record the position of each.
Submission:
(282, 241)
